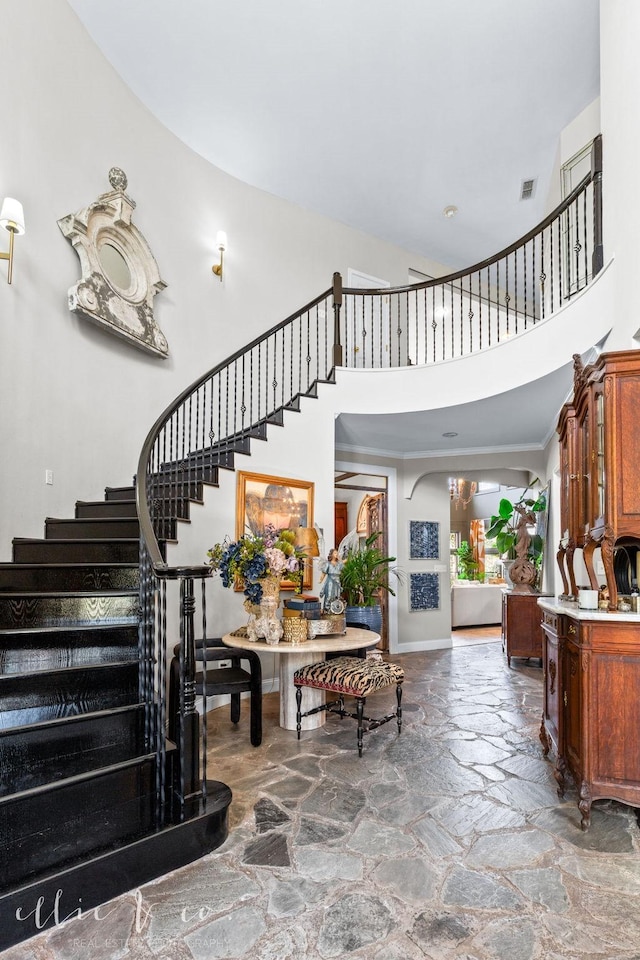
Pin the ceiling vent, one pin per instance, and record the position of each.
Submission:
(527, 189)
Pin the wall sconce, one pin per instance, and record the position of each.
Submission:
(221, 242)
(12, 219)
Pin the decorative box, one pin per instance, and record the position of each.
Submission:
(327, 626)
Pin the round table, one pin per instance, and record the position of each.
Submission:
(292, 656)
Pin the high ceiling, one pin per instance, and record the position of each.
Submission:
(378, 114)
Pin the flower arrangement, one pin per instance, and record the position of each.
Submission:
(253, 558)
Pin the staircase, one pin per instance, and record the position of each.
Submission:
(84, 807)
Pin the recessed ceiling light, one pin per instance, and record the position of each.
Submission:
(450, 433)
(449, 212)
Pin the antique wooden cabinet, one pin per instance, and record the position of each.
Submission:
(591, 711)
(570, 488)
(551, 728)
(521, 633)
(599, 458)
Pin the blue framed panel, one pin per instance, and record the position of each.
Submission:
(424, 540)
(424, 591)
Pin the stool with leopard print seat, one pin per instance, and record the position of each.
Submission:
(354, 677)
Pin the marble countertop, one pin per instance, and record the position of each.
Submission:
(570, 607)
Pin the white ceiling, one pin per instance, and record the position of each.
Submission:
(517, 420)
(376, 113)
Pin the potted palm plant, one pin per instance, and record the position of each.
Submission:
(365, 573)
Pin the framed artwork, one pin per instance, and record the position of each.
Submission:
(424, 591)
(281, 501)
(424, 540)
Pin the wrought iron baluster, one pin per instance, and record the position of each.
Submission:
(444, 326)
(577, 246)
(597, 256)
(585, 238)
(203, 723)
(543, 292)
(434, 323)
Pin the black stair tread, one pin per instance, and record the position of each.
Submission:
(92, 540)
(77, 778)
(26, 728)
(13, 678)
(102, 522)
(101, 503)
(79, 520)
(102, 625)
(107, 592)
(72, 564)
(39, 575)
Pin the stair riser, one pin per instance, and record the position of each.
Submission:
(16, 659)
(75, 820)
(120, 493)
(33, 698)
(61, 551)
(199, 467)
(90, 529)
(121, 635)
(106, 509)
(18, 577)
(64, 611)
(177, 491)
(33, 756)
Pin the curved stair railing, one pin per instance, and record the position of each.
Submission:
(221, 413)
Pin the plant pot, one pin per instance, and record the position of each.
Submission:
(369, 616)
(506, 571)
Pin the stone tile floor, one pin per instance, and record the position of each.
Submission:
(446, 842)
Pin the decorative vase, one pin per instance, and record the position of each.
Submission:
(271, 588)
(263, 623)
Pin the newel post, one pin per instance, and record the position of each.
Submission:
(597, 258)
(337, 304)
(189, 718)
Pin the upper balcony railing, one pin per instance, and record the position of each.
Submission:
(424, 323)
(483, 305)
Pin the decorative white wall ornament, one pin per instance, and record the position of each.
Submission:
(120, 276)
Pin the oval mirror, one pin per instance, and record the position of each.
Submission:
(115, 267)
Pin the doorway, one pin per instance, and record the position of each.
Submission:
(360, 509)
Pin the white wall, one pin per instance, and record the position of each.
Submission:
(76, 400)
(425, 629)
(620, 111)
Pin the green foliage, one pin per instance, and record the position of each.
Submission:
(252, 558)
(503, 527)
(467, 566)
(365, 572)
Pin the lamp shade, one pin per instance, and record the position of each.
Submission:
(307, 540)
(12, 215)
(221, 240)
